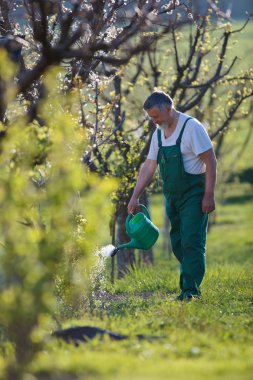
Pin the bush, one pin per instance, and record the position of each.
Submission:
(46, 233)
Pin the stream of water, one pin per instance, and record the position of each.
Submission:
(98, 273)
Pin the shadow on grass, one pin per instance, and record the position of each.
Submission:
(239, 199)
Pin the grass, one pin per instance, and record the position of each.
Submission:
(210, 338)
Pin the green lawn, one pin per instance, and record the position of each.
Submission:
(210, 338)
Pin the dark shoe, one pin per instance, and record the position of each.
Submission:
(187, 297)
(191, 297)
(180, 297)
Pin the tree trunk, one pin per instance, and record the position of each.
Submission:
(112, 232)
(3, 104)
(167, 249)
(125, 257)
(145, 257)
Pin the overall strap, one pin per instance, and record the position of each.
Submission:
(178, 142)
(159, 137)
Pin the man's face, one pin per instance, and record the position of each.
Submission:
(162, 116)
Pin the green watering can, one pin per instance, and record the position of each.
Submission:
(141, 230)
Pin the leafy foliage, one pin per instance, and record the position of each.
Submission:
(47, 210)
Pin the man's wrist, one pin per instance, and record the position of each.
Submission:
(135, 197)
(210, 193)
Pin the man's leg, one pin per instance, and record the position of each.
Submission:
(175, 235)
(193, 235)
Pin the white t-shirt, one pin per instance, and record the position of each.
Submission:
(195, 140)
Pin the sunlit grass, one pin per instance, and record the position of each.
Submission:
(211, 338)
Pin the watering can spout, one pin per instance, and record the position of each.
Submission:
(130, 244)
(141, 230)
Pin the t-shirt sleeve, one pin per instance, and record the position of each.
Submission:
(153, 149)
(200, 141)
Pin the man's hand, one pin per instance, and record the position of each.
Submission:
(132, 207)
(208, 203)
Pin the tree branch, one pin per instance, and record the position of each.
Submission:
(230, 116)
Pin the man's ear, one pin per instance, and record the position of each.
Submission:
(168, 108)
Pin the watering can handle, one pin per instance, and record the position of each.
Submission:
(145, 210)
(129, 216)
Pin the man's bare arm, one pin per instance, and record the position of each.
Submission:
(208, 203)
(144, 178)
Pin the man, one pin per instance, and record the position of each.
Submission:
(183, 150)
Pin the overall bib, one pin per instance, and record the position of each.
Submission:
(184, 193)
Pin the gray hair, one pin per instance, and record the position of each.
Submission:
(158, 99)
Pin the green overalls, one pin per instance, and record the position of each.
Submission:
(184, 193)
